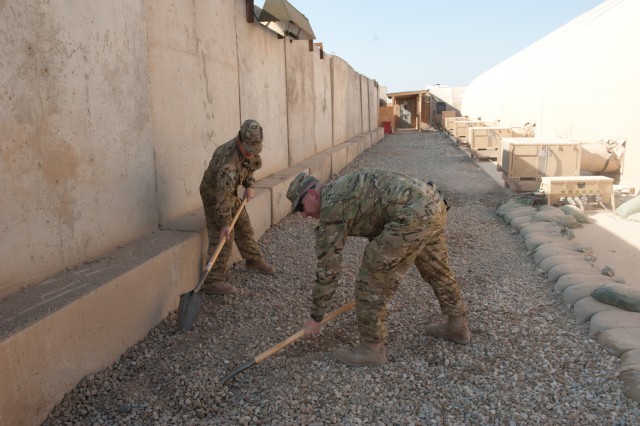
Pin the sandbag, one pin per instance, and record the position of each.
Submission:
(509, 206)
(631, 388)
(512, 214)
(569, 280)
(565, 244)
(628, 208)
(521, 222)
(534, 239)
(572, 294)
(548, 215)
(567, 221)
(619, 340)
(580, 216)
(613, 319)
(571, 259)
(549, 227)
(633, 217)
(620, 295)
(557, 271)
(587, 307)
(540, 255)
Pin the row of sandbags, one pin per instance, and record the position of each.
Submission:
(596, 295)
(630, 210)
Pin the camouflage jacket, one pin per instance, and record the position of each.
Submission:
(227, 170)
(360, 204)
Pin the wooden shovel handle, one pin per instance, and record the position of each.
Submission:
(286, 342)
(216, 253)
(266, 354)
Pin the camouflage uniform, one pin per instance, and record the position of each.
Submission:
(404, 220)
(227, 170)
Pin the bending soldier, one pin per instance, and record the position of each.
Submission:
(404, 220)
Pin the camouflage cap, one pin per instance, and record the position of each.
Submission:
(298, 187)
(251, 135)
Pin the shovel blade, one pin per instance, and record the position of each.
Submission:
(188, 309)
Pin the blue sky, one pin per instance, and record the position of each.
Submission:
(411, 44)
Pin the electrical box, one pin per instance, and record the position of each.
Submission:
(534, 158)
(589, 189)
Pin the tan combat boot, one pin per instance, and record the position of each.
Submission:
(455, 329)
(261, 266)
(365, 354)
(219, 287)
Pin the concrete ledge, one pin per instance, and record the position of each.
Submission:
(338, 158)
(376, 135)
(352, 150)
(277, 186)
(368, 140)
(81, 321)
(319, 166)
(360, 143)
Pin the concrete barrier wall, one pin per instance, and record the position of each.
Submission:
(300, 105)
(109, 115)
(364, 103)
(323, 100)
(195, 100)
(76, 149)
(111, 111)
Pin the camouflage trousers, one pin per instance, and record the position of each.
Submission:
(242, 234)
(387, 259)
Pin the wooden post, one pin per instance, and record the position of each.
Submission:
(249, 11)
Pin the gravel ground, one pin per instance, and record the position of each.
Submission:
(529, 362)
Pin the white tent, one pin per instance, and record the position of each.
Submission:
(581, 82)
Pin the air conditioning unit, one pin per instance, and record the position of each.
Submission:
(589, 189)
(532, 159)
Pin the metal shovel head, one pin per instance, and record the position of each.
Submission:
(188, 309)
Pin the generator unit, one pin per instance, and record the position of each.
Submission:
(480, 142)
(531, 159)
(448, 123)
(460, 128)
(495, 138)
(579, 190)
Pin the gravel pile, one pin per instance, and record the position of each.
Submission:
(529, 362)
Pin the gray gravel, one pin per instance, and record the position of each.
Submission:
(529, 362)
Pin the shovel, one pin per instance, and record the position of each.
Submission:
(286, 342)
(190, 302)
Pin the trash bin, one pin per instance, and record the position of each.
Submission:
(387, 127)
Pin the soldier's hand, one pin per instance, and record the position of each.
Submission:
(311, 327)
(225, 233)
(249, 193)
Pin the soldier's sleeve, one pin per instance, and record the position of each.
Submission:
(227, 177)
(250, 180)
(330, 240)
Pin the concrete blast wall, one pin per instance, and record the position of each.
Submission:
(76, 145)
(110, 111)
(109, 114)
(578, 83)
